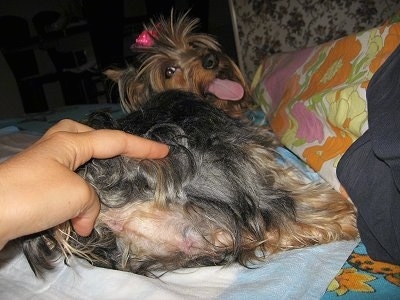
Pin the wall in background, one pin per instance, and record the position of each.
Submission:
(10, 103)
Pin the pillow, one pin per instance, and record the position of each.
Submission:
(315, 98)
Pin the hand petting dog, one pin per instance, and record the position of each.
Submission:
(39, 188)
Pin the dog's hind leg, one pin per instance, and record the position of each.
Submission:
(322, 215)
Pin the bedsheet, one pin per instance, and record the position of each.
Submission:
(296, 274)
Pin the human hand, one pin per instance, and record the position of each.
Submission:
(39, 188)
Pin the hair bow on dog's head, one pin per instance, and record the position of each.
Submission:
(145, 39)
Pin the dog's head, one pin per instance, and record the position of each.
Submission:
(172, 55)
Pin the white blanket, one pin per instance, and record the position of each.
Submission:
(297, 274)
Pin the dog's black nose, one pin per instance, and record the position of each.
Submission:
(210, 61)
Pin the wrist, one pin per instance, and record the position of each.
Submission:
(8, 201)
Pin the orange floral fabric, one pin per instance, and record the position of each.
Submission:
(322, 107)
(335, 68)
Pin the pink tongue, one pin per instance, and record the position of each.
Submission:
(226, 89)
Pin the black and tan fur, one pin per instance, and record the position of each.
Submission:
(222, 195)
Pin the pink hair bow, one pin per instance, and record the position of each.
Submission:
(145, 39)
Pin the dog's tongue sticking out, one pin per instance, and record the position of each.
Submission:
(226, 89)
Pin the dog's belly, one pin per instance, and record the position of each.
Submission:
(154, 231)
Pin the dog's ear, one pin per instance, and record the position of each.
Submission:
(113, 74)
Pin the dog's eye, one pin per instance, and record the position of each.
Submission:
(169, 72)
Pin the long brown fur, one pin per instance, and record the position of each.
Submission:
(222, 195)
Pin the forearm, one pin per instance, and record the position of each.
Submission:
(9, 209)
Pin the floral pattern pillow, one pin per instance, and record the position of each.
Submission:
(315, 98)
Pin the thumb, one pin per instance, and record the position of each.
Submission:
(83, 223)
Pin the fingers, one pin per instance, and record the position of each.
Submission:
(149, 149)
(73, 144)
(104, 143)
(108, 143)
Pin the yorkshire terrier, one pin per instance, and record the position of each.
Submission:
(172, 55)
(222, 195)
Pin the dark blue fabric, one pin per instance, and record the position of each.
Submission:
(370, 168)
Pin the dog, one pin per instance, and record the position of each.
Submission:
(222, 195)
(173, 55)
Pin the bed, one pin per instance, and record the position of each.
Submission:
(268, 279)
(312, 273)
(340, 270)
(326, 271)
